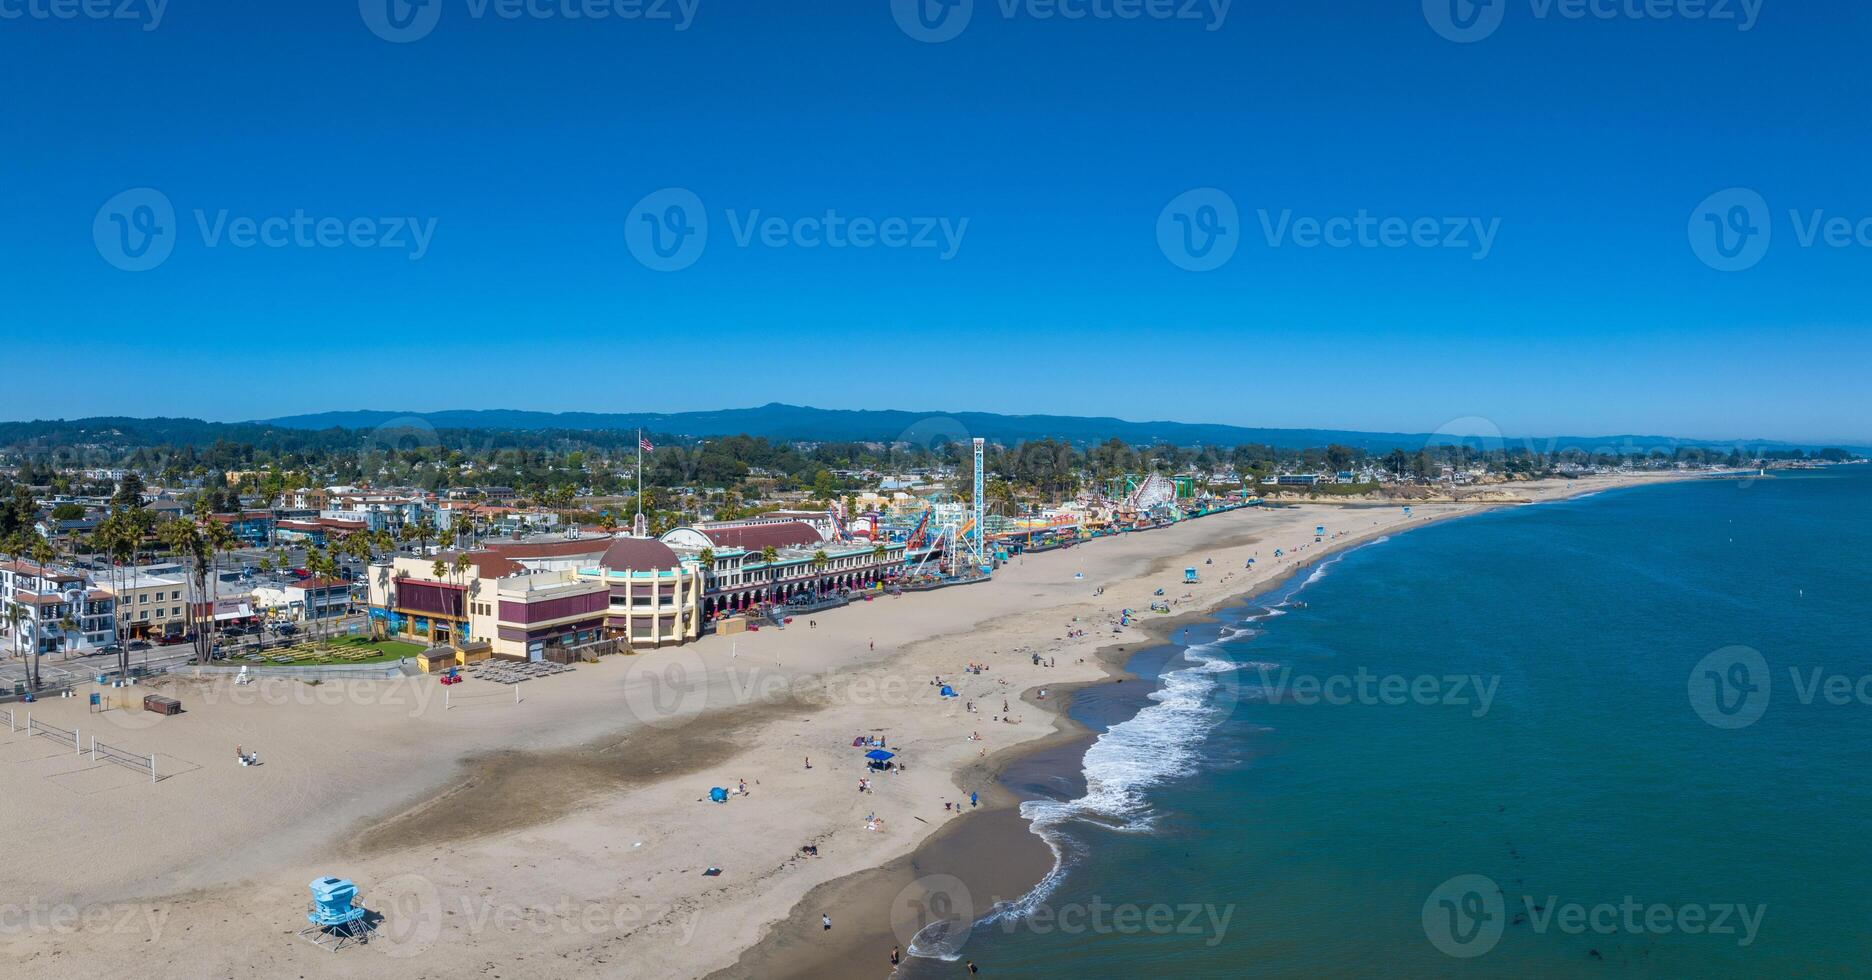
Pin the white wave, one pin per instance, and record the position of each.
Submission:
(1157, 744)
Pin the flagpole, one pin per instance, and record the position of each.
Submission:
(639, 472)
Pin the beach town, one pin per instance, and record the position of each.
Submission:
(594, 749)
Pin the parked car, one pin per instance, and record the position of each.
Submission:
(139, 644)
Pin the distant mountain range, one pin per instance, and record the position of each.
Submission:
(795, 422)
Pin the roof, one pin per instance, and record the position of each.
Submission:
(487, 563)
(567, 548)
(319, 583)
(639, 554)
(754, 537)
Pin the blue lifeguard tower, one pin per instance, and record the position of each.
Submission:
(1189, 576)
(337, 918)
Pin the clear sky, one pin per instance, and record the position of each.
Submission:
(540, 155)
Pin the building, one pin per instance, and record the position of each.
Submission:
(318, 598)
(58, 611)
(775, 562)
(253, 528)
(655, 595)
(375, 510)
(520, 612)
(149, 606)
(320, 532)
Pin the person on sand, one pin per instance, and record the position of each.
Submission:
(825, 922)
(896, 956)
(971, 968)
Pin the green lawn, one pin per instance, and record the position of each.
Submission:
(345, 651)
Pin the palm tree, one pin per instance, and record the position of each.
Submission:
(14, 613)
(68, 624)
(461, 566)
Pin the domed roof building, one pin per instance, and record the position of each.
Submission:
(656, 596)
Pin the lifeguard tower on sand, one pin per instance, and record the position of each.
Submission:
(337, 920)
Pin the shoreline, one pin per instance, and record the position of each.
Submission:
(998, 832)
(511, 818)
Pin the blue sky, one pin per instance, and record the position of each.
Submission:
(528, 148)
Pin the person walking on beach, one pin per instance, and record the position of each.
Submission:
(896, 956)
(825, 922)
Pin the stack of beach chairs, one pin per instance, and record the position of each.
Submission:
(509, 672)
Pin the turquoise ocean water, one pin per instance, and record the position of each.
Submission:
(1655, 764)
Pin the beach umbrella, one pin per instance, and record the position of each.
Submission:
(879, 754)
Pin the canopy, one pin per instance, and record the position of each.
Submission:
(948, 692)
(879, 754)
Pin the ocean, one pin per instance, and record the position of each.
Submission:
(1620, 735)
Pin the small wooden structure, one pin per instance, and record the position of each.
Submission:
(161, 705)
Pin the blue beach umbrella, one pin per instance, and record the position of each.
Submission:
(879, 754)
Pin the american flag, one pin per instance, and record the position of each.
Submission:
(643, 443)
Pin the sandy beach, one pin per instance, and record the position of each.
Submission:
(567, 834)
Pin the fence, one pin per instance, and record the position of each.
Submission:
(34, 727)
(129, 760)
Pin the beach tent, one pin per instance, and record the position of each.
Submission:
(880, 755)
(718, 795)
(947, 691)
